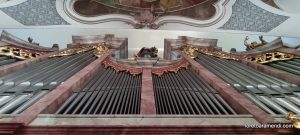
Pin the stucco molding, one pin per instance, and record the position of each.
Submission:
(66, 6)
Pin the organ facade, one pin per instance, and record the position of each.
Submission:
(91, 87)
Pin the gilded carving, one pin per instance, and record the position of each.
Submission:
(190, 51)
(18, 53)
(172, 68)
(217, 53)
(99, 50)
(117, 67)
(271, 57)
(294, 119)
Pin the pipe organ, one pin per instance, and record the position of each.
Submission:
(21, 89)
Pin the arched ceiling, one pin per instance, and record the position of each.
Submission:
(245, 16)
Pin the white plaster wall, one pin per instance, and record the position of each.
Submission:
(138, 38)
(291, 6)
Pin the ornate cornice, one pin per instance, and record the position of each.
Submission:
(18, 53)
(99, 50)
(271, 57)
(171, 68)
(118, 67)
(217, 53)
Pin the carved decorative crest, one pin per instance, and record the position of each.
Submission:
(131, 70)
(294, 119)
(99, 50)
(271, 57)
(190, 51)
(217, 53)
(172, 68)
(18, 53)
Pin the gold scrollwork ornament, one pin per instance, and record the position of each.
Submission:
(294, 119)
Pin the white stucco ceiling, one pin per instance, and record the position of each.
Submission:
(289, 27)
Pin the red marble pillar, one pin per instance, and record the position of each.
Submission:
(53, 100)
(147, 96)
(238, 102)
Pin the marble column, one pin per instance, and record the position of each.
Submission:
(147, 95)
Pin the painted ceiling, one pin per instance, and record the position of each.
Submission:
(209, 15)
(196, 9)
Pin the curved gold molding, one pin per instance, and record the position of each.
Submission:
(172, 68)
(294, 119)
(18, 53)
(271, 57)
(217, 53)
(190, 51)
(118, 67)
(99, 50)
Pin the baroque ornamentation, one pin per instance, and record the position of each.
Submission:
(117, 67)
(217, 53)
(147, 13)
(99, 50)
(35, 13)
(294, 119)
(172, 68)
(246, 16)
(271, 57)
(190, 51)
(18, 53)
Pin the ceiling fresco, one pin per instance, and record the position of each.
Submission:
(211, 15)
(147, 11)
(117, 6)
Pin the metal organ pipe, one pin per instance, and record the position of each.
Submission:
(273, 95)
(186, 93)
(26, 86)
(10, 106)
(108, 92)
